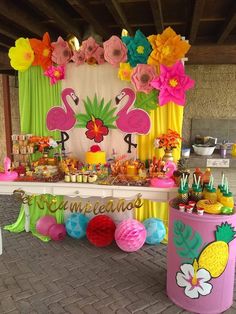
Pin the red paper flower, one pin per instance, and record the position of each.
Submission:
(42, 51)
(96, 130)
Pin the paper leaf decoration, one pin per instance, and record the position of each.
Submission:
(186, 241)
(97, 110)
(145, 101)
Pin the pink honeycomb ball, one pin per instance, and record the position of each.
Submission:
(44, 224)
(130, 235)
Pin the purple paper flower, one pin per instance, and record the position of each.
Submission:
(172, 83)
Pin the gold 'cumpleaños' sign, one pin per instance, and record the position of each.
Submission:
(99, 207)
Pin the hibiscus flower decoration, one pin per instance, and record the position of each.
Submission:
(89, 46)
(141, 77)
(168, 48)
(22, 55)
(96, 130)
(61, 54)
(124, 72)
(42, 51)
(78, 57)
(172, 83)
(99, 55)
(139, 48)
(55, 73)
(115, 51)
(194, 280)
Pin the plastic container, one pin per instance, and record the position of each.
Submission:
(219, 191)
(219, 289)
(233, 151)
(211, 195)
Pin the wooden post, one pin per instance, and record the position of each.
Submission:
(7, 113)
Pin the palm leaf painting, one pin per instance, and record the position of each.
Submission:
(187, 241)
(96, 109)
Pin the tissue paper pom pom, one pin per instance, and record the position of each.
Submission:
(44, 224)
(57, 232)
(76, 225)
(130, 235)
(100, 231)
(156, 230)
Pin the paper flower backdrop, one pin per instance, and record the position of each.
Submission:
(172, 83)
(140, 59)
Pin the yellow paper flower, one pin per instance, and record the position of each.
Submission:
(124, 72)
(22, 55)
(168, 48)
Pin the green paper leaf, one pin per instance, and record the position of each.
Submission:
(186, 240)
(146, 102)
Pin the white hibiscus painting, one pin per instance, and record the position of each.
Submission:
(194, 280)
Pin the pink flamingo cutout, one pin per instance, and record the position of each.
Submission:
(133, 120)
(166, 181)
(59, 118)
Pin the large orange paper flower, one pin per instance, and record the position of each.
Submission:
(42, 51)
(168, 48)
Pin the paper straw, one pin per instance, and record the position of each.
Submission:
(222, 179)
(198, 181)
(194, 178)
(181, 183)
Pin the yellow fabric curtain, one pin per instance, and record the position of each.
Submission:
(163, 118)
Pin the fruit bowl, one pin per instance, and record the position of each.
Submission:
(203, 150)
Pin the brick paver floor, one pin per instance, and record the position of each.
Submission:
(75, 277)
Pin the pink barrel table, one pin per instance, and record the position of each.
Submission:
(201, 261)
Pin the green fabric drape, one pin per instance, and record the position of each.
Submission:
(35, 214)
(36, 97)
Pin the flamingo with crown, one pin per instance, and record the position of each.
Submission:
(132, 120)
(62, 119)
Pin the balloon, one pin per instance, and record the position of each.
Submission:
(76, 225)
(44, 223)
(100, 231)
(130, 235)
(156, 230)
(57, 232)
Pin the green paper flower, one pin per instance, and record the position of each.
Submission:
(138, 47)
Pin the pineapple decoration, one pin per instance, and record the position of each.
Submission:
(98, 119)
(182, 169)
(214, 256)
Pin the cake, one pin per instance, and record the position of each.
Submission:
(95, 156)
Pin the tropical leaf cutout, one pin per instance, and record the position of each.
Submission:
(186, 241)
(146, 102)
(98, 110)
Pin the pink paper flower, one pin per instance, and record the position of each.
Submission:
(115, 51)
(141, 77)
(61, 54)
(55, 73)
(78, 57)
(89, 46)
(99, 55)
(172, 83)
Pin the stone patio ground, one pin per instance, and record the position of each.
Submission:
(75, 277)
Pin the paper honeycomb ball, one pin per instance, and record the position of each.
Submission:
(130, 235)
(100, 231)
(44, 223)
(57, 232)
(156, 230)
(76, 225)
